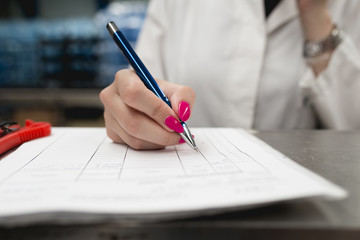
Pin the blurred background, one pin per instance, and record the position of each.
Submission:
(56, 56)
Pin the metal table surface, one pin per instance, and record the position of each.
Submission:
(332, 154)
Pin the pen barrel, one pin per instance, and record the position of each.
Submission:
(138, 65)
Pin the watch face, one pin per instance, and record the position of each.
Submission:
(313, 49)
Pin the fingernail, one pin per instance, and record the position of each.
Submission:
(174, 124)
(184, 111)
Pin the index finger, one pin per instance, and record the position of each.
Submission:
(136, 95)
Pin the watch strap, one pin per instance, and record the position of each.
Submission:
(316, 48)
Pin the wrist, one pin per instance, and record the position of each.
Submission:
(317, 53)
(316, 24)
(314, 49)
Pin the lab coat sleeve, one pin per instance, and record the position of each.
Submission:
(335, 93)
(151, 38)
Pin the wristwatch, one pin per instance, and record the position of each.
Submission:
(313, 49)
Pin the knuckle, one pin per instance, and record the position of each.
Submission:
(104, 94)
(130, 92)
(118, 75)
(158, 110)
(124, 80)
(121, 75)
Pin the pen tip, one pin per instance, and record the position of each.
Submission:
(188, 137)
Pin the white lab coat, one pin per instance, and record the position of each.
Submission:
(248, 71)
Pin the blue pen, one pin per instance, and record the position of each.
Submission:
(144, 74)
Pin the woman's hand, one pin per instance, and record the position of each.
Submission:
(136, 116)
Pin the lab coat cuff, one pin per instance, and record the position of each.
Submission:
(314, 87)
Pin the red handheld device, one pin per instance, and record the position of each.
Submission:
(30, 131)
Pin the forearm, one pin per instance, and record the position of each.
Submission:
(317, 24)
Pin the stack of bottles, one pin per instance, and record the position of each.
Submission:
(66, 53)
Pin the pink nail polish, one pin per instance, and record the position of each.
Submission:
(184, 111)
(174, 124)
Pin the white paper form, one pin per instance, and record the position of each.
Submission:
(83, 175)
